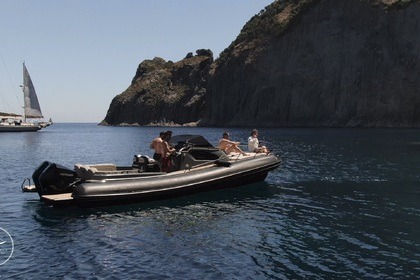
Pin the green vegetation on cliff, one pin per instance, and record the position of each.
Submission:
(270, 23)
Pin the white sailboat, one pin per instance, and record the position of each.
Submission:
(32, 110)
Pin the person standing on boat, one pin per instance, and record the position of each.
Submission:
(254, 144)
(229, 146)
(157, 145)
(167, 151)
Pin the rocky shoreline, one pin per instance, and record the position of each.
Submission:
(306, 63)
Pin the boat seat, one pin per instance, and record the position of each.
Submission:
(87, 172)
(103, 167)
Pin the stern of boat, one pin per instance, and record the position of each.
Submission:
(52, 178)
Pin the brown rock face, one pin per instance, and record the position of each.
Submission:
(306, 63)
(163, 93)
(337, 64)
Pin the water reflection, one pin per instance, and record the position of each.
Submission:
(212, 200)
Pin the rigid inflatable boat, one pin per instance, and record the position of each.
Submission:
(196, 166)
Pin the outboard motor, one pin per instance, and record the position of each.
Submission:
(51, 178)
(145, 164)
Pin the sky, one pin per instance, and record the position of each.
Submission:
(82, 53)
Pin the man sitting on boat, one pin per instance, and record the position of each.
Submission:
(229, 146)
(254, 144)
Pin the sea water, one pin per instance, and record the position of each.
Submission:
(345, 204)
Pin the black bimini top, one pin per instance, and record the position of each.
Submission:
(183, 140)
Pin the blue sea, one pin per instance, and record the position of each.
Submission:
(345, 204)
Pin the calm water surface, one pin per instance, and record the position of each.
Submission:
(345, 204)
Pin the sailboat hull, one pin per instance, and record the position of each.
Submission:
(19, 128)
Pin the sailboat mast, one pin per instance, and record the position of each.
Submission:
(23, 90)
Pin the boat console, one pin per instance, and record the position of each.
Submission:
(192, 156)
(145, 164)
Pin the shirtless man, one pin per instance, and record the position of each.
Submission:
(229, 146)
(157, 145)
(167, 151)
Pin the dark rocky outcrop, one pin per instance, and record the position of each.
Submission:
(339, 63)
(332, 63)
(163, 93)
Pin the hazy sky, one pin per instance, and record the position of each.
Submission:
(82, 53)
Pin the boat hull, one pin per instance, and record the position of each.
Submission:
(130, 190)
(19, 128)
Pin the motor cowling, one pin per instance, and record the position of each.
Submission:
(52, 178)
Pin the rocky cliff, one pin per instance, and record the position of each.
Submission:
(332, 63)
(164, 93)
